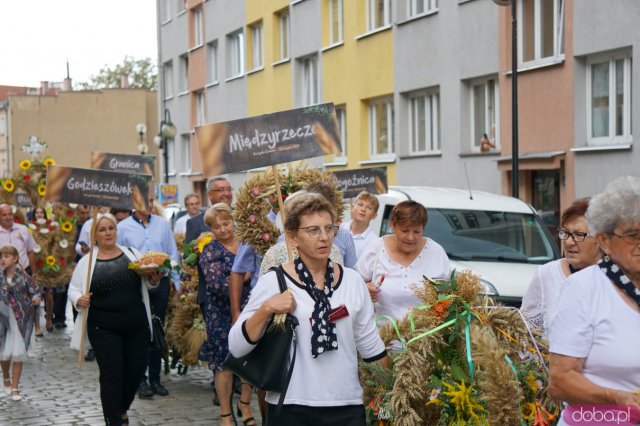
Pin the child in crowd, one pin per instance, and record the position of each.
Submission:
(363, 210)
(18, 295)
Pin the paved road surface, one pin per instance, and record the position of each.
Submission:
(57, 393)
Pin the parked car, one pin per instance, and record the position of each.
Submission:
(500, 238)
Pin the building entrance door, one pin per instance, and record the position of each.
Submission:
(545, 185)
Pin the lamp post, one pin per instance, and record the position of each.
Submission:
(141, 129)
(515, 172)
(167, 131)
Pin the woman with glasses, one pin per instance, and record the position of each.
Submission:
(324, 388)
(594, 348)
(396, 263)
(580, 250)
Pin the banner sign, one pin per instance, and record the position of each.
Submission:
(24, 200)
(168, 194)
(352, 182)
(98, 187)
(268, 139)
(126, 163)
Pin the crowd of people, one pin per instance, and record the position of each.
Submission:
(587, 303)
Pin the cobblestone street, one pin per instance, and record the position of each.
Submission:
(55, 392)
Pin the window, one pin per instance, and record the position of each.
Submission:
(484, 114)
(171, 153)
(256, 46)
(335, 21)
(236, 54)
(309, 80)
(201, 116)
(166, 10)
(186, 153)
(378, 14)
(419, 7)
(168, 79)
(182, 5)
(424, 123)
(198, 28)
(183, 83)
(341, 117)
(541, 32)
(609, 98)
(283, 25)
(212, 61)
(381, 128)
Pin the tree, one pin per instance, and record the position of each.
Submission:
(143, 74)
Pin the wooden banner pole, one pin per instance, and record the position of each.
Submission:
(276, 177)
(87, 287)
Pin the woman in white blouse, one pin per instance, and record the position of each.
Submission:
(397, 263)
(580, 249)
(324, 388)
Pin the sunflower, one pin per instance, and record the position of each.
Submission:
(203, 242)
(50, 260)
(25, 165)
(49, 162)
(8, 185)
(42, 189)
(66, 226)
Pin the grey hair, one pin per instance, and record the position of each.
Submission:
(214, 179)
(618, 204)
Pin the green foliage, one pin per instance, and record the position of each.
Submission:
(143, 74)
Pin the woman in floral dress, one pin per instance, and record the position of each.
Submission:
(216, 261)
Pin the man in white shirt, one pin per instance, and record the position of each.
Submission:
(363, 210)
(192, 203)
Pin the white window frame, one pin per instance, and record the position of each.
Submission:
(171, 155)
(167, 11)
(341, 117)
(213, 73)
(201, 111)
(309, 80)
(186, 153)
(494, 135)
(181, 6)
(373, 131)
(333, 5)
(183, 83)
(284, 31)
(372, 14)
(611, 138)
(432, 130)
(236, 54)
(167, 69)
(198, 28)
(257, 56)
(558, 34)
(428, 6)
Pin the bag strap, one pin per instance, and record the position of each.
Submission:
(283, 287)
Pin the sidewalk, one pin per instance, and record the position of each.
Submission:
(55, 392)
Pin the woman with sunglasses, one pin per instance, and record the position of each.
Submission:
(580, 250)
(594, 351)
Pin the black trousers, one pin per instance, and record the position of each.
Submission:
(121, 357)
(158, 298)
(60, 305)
(303, 415)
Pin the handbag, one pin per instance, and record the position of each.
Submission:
(158, 341)
(268, 366)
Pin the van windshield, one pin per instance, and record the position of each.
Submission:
(491, 236)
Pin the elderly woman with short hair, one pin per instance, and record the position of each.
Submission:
(594, 353)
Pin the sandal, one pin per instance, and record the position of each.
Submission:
(249, 421)
(225, 415)
(15, 395)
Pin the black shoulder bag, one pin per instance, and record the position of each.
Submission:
(268, 366)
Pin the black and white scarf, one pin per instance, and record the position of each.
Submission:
(323, 331)
(618, 278)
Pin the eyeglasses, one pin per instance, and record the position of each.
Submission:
(578, 237)
(629, 237)
(222, 190)
(314, 231)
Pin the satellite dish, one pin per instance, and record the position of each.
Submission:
(502, 2)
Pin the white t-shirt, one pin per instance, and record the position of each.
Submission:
(540, 303)
(360, 241)
(396, 297)
(331, 379)
(594, 322)
(180, 226)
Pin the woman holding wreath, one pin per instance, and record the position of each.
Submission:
(119, 321)
(594, 353)
(324, 388)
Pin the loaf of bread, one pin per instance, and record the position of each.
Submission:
(153, 258)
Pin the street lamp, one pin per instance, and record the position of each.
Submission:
(515, 172)
(167, 131)
(143, 148)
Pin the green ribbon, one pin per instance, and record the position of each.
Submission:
(468, 344)
(515, 372)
